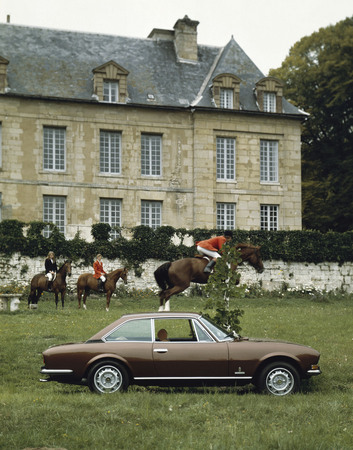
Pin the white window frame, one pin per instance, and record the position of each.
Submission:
(110, 91)
(54, 211)
(110, 152)
(54, 149)
(151, 213)
(269, 217)
(226, 98)
(151, 155)
(110, 212)
(268, 161)
(225, 216)
(269, 101)
(225, 156)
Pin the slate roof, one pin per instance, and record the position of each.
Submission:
(55, 63)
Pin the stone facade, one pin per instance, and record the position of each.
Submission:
(168, 86)
(276, 276)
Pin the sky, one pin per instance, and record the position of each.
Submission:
(265, 29)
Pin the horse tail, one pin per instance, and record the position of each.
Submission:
(161, 275)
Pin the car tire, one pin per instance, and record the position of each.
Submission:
(107, 377)
(279, 378)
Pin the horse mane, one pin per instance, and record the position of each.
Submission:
(63, 264)
(243, 245)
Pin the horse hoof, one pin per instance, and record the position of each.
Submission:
(107, 309)
(160, 309)
(84, 307)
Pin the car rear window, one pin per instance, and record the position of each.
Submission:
(133, 330)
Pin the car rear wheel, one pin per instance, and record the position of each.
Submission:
(107, 377)
(279, 378)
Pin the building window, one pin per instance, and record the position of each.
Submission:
(151, 214)
(110, 152)
(151, 155)
(0, 206)
(269, 217)
(225, 216)
(110, 212)
(226, 98)
(54, 148)
(110, 91)
(225, 159)
(269, 161)
(54, 211)
(269, 102)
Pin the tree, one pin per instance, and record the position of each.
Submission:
(222, 285)
(318, 76)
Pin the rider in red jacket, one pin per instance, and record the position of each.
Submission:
(99, 272)
(211, 247)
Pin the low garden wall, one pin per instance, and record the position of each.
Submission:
(276, 276)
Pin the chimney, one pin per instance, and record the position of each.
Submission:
(185, 39)
(8, 18)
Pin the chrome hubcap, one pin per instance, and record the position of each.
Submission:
(108, 379)
(280, 381)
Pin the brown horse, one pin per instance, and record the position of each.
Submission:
(175, 277)
(87, 282)
(39, 284)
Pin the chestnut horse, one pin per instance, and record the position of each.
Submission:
(87, 282)
(39, 284)
(175, 277)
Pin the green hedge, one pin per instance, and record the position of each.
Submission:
(146, 243)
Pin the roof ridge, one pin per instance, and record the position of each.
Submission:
(207, 78)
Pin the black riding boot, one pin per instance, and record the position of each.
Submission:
(50, 284)
(100, 285)
(209, 267)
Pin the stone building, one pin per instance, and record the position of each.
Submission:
(156, 131)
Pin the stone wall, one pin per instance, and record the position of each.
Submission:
(323, 276)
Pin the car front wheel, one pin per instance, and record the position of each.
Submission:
(279, 378)
(107, 377)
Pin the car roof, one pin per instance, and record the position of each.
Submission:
(160, 315)
(145, 315)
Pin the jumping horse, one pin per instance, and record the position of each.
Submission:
(39, 284)
(87, 282)
(175, 277)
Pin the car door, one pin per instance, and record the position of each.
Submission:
(183, 355)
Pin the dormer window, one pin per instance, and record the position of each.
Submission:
(226, 98)
(3, 74)
(110, 91)
(225, 90)
(110, 83)
(269, 93)
(269, 101)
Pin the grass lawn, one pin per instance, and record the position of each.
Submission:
(34, 414)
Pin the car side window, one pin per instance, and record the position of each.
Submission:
(133, 330)
(201, 334)
(174, 330)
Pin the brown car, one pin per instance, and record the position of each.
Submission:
(173, 349)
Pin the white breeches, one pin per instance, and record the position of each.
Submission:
(102, 277)
(204, 251)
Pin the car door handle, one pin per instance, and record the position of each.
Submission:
(160, 350)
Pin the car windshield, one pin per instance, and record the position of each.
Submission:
(216, 330)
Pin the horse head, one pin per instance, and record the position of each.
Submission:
(123, 275)
(66, 268)
(252, 255)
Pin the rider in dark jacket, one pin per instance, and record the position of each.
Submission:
(50, 269)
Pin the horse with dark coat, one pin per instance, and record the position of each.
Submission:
(39, 284)
(86, 282)
(175, 277)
